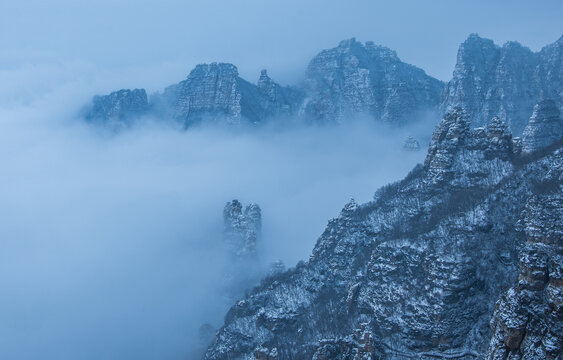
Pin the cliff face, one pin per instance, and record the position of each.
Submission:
(528, 318)
(544, 128)
(506, 82)
(119, 107)
(211, 91)
(354, 78)
(215, 92)
(349, 80)
(242, 228)
(414, 273)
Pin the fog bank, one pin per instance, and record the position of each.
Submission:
(111, 242)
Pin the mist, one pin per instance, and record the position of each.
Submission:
(111, 242)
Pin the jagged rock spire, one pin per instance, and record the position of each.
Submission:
(544, 128)
(266, 86)
(454, 146)
(119, 106)
(411, 144)
(448, 135)
(242, 228)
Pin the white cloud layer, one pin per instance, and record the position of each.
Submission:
(111, 243)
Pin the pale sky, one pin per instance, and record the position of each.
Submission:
(253, 34)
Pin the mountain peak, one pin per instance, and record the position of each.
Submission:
(354, 79)
(544, 128)
(417, 272)
(505, 82)
(474, 40)
(348, 43)
(119, 106)
(454, 145)
(214, 68)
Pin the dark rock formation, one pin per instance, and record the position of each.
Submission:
(418, 270)
(544, 128)
(119, 107)
(354, 79)
(506, 82)
(242, 228)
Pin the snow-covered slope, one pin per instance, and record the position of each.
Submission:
(416, 272)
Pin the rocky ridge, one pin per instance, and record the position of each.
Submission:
(356, 79)
(215, 92)
(119, 107)
(416, 272)
(506, 82)
(528, 318)
(351, 79)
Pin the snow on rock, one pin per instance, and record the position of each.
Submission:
(356, 78)
(411, 144)
(544, 128)
(506, 82)
(118, 108)
(420, 268)
(528, 318)
(242, 228)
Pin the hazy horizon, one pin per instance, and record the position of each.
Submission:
(136, 44)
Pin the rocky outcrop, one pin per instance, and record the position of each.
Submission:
(418, 269)
(528, 318)
(214, 93)
(242, 228)
(265, 354)
(119, 107)
(211, 92)
(411, 144)
(240, 268)
(544, 128)
(356, 346)
(354, 79)
(268, 100)
(506, 82)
